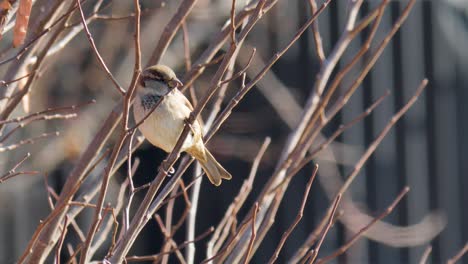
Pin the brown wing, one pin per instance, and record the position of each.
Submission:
(197, 126)
(189, 106)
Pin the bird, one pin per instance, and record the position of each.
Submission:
(164, 125)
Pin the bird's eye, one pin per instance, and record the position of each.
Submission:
(171, 84)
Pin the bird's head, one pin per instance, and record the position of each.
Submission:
(159, 79)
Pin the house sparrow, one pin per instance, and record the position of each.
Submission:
(164, 126)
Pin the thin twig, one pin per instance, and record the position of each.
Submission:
(96, 52)
(21, 161)
(188, 205)
(158, 180)
(111, 222)
(252, 236)
(192, 214)
(11, 175)
(11, 105)
(288, 232)
(242, 227)
(308, 256)
(188, 60)
(359, 234)
(459, 255)
(425, 255)
(222, 87)
(113, 17)
(26, 47)
(315, 104)
(60, 207)
(327, 228)
(140, 218)
(295, 169)
(341, 102)
(166, 228)
(123, 137)
(223, 116)
(372, 60)
(381, 136)
(183, 245)
(311, 106)
(316, 34)
(348, 125)
(233, 22)
(131, 190)
(51, 223)
(213, 61)
(221, 230)
(48, 192)
(6, 83)
(319, 114)
(171, 29)
(78, 230)
(31, 140)
(77, 27)
(71, 252)
(181, 193)
(47, 114)
(169, 240)
(241, 72)
(73, 257)
(208, 56)
(364, 158)
(60, 243)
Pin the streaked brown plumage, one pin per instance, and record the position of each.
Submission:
(164, 126)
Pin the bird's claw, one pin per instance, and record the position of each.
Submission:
(164, 166)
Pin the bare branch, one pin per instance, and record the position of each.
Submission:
(459, 255)
(96, 52)
(233, 22)
(225, 224)
(288, 232)
(171, 241)
(31, 140)
(123, 137)
(14, 174)
(252, 236)
(171, 29)
(241, 72)
(327, 228)
(359, 234)
(62, 238)
(425, 255)
(183, 245)
(48, 114)
(316, 33)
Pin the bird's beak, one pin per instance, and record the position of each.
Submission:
(175, 83)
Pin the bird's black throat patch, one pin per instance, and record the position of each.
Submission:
(149, 100)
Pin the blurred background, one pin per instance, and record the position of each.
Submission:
(427, 150)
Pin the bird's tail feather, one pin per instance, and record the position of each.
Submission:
(214, 170)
